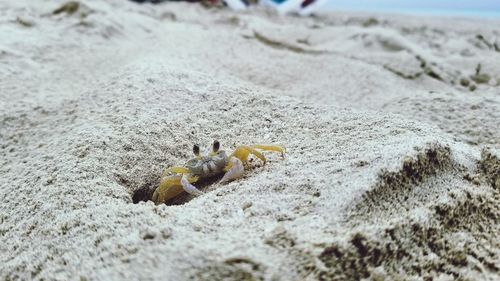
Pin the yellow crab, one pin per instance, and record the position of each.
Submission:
(175, 180)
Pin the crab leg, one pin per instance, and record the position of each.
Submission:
(276, 148)
(235, 170)
(242, 153)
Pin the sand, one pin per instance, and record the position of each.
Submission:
(390, 124)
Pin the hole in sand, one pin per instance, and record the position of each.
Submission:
(142, 194)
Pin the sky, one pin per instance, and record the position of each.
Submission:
(444, 6)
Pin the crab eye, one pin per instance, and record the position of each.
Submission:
(216, 146)
(196, 150)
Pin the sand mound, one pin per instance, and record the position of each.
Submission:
(96, 107)
(490, 165)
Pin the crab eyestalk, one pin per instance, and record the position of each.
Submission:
(216, 146)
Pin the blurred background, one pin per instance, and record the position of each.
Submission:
(481, 8)
(475, 8)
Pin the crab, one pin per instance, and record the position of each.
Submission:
(176, 180)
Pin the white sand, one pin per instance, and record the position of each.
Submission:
(391, 172)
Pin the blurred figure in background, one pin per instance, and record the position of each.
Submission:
(302, 7)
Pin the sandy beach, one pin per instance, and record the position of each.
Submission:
(390, 124)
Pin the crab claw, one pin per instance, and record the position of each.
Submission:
(172, 186)
(188, 187)
(235, 171)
